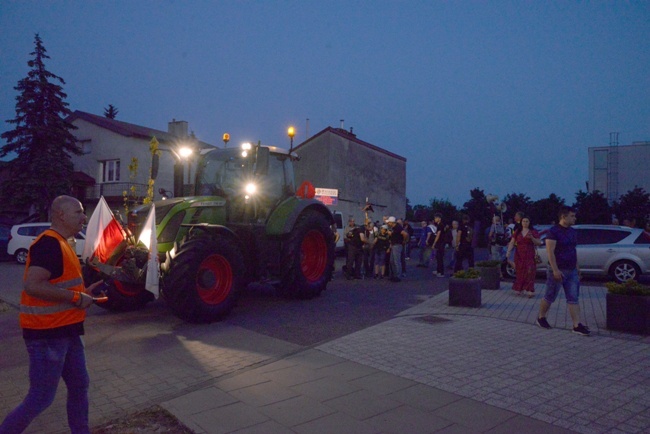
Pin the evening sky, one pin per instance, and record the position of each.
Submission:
(501, 95)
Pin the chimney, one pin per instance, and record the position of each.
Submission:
(342, 123)
(177, 128)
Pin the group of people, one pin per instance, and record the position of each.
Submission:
(387, 245)
(521, 238)
(377, 250)
(438, 238)
(563, 271)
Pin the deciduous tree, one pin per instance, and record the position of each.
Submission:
(516, 202)
(592, 208)
(635, 204)
(544, 211)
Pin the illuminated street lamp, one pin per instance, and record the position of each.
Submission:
(226, 139)
(291, 132)
(182, 153)
(185, 152)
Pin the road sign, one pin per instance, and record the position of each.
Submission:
(329, 196)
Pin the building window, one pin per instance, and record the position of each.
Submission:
(600, 159)
(111, 171)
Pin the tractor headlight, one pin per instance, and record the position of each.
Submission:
(250, 189)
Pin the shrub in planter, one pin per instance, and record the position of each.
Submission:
(490, 274)
(465, 288)
(628, 307)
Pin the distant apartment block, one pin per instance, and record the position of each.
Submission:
(615, 170)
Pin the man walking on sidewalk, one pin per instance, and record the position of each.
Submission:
(563, 270)
(52, 312)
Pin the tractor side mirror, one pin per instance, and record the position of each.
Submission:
(262, 164)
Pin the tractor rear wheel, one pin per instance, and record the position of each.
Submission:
(307, 257)
(205, 279)
(122, 297)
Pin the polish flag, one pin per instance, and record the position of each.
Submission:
(103, 233)
(148, 238)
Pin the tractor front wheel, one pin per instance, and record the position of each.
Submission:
(205, 278)
(122, 297)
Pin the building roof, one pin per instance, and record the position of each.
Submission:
(126, 129)
(348, 135)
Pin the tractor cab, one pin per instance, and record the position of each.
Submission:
(251, 179)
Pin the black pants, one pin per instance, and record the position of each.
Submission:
(353, 262)
(440, 260)
(465, 252)
(368, 261)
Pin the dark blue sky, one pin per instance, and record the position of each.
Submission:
(504, 96)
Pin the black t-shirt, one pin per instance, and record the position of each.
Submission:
(466, 236)
(354, 235)
(440, 233)
(46, 253)
(396, 236)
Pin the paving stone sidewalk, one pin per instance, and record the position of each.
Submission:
(495, 355)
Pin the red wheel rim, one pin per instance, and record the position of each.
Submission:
(313, 255)
(214, 279)
(128, 289)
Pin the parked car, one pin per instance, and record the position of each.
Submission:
(21, 237)
(620, 252)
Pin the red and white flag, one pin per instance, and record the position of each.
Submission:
(103, 233)
(148, 238)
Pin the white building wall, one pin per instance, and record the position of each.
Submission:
(101, 144)
(633, 168)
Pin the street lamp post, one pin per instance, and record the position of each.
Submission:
(182, 155)
(226, 139)
(291, 132)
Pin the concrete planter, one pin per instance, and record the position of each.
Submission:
(465, 292)
(628, 313)
(490, 277)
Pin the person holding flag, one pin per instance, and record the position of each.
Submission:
(52, 312)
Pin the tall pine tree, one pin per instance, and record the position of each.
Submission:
(41, 140)
(111, 112)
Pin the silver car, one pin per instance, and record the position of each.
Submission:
(621, 252)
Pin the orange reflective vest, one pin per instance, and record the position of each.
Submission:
(41, 314)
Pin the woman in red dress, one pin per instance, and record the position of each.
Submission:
(525, 239)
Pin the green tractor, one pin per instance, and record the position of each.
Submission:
(245, 224)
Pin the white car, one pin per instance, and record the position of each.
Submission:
(620, 252)
(22, 236)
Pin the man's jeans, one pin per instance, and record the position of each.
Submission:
(425, 255)
(50, 360)
(396, 260)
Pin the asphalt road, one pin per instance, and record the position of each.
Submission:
(345, 307)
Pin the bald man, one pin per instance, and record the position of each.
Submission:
(52, 312)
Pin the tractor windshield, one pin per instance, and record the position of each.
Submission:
(226, 173)
(222, 173)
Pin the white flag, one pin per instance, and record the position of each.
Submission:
(103, 233)
(148, 238)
